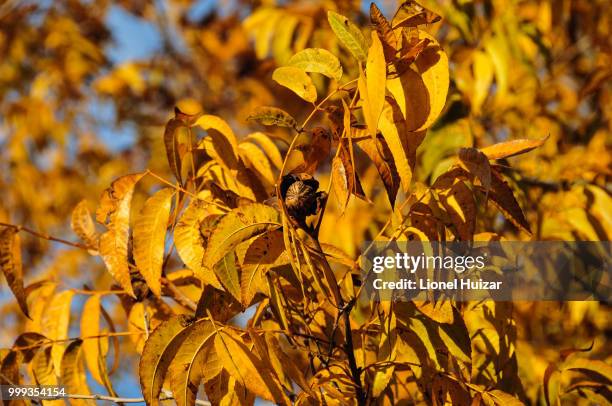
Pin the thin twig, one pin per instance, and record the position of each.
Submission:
(182, 189)
(64, 340)
(45, 236)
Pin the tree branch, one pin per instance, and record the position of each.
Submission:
(178, 296)
(350, 352)
(118, 399)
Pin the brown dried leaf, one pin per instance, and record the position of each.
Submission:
(460, 205)
(387, 36)
(380, 155)
(502, 196)
(477, 164)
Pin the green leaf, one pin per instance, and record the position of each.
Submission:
(296, 80)
(317, 60)
(349, 35)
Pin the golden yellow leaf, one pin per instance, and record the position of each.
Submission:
(383, 27)
(432, 65)
(150, 236)
(224, 141)
(378, 152)
(94, 349)
(190, 243)
(460, 205)
(340, 182)
(45, 373)
(255, 258)
(237, 226)
(254, 158)
(114, 212)
(512, 148)
(187, 369)
(157, 354)
(268, 146)
(296, 80)
(83, 225)
(483, 77)
(376, 76)
(317, 60)
(10, 262)
(55, 323)
(393, 131)
(243, 366)
(227, 272)
(72, 374)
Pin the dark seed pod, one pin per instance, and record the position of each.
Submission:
(299, 191)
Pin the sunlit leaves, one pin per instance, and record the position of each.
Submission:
(149, 237)
(296, 80)
(317, 60)
(10, 262)
(114, 212)
(349, 35)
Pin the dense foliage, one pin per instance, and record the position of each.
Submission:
(274, 142)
